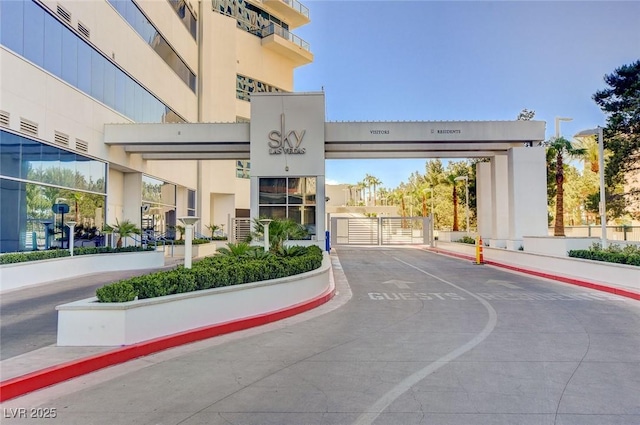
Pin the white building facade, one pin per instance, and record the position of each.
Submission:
(68, 68)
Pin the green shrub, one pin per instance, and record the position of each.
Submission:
(467, 239)
(118, 292)
(630, 254)
(22, 257)
(217, 271)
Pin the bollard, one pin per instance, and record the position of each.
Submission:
(479, 254)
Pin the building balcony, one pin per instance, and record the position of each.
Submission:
(292, 12)
(287, 44)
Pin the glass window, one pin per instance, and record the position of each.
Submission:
(12, 18)
(296, 197)
(109, 85)
(121, 94)
(84, 67)
(97, 75)
(34, 33)
(69, 57)
(273, 211)
(273, 191)
(52, 45)
(9, 154)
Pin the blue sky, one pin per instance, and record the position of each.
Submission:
(455, 60)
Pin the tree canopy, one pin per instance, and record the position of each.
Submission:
(620, 101)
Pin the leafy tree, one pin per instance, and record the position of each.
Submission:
(526, 115)
(621, 102)
(559, 149)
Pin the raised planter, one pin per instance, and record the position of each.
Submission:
(556, 245)
(449, 236)
(200, 250)
(19, 275)
(617, 275)
(90, 323)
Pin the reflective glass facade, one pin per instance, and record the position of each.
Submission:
(160, 219)
(186, 16)
(30, 31)
(289, 197)
(33, 178)
(134, 16)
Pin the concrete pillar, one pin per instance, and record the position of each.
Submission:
(484, 201)
(527, 194)
(132, 201)
(499, 201)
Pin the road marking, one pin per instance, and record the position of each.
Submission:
(503, 283)
(379, 406)
(415, 296)
(401, 284)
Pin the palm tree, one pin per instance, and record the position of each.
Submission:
(280, 230)
(561, 147)
(372, 181)
(360, 187)
(591, 152)
(124, 229)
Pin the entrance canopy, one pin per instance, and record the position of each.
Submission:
(342, 140)
(288, 141)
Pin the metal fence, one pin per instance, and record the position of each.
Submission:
(614, 233)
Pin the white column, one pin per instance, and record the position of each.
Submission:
(188, 248)
(499, 201)
(527, 193)
(132, 198)
(484, 203)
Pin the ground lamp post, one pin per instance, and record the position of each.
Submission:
(433, 214)
(188, 230)
(603, 202)
(71, 225)
(466, 179)
(265, 225)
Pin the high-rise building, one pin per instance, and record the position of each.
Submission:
(70, 67)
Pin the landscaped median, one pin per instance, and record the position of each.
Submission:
(92, 323)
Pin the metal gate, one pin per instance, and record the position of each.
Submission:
(381, 230)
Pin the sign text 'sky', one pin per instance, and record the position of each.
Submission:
(285, 142)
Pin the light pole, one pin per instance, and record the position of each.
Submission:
(602, 207)
(558, 119)
(188, 229)
(71, 225)
(433, 215)
(466, 179)
(265, 225)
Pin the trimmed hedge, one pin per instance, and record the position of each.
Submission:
(210, 272)
(21, 257)
(629, 255)
(183, 242)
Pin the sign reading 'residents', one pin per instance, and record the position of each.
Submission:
(285, 142)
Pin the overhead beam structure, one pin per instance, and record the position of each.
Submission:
(343, 140)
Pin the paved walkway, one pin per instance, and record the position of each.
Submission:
(412, 338)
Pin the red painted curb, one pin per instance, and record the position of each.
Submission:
(39, 379)
(585, 284)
